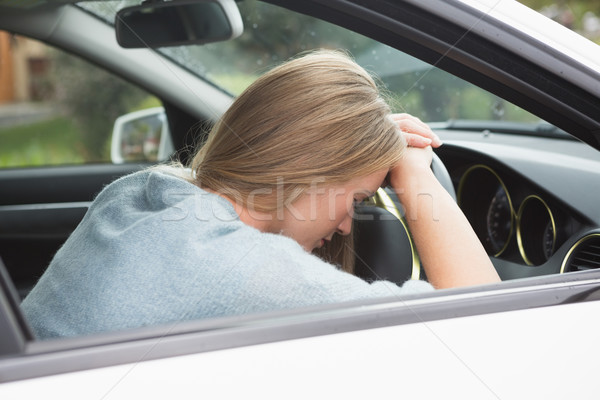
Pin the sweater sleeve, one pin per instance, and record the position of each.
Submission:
(308, 280)
(154, 249)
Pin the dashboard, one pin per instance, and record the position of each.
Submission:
(533, 201)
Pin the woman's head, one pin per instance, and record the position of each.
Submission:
(316, 120)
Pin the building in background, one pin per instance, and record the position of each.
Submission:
(24, 67)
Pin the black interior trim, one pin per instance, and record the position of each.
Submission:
(59, 184)
(14, 330)
(187, 132)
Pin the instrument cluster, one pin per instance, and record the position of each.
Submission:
(512, 219)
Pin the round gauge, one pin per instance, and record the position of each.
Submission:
(536, 231)
(484, 199)
(499, 221)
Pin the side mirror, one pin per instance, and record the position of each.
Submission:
(174, 23)
(141, 136)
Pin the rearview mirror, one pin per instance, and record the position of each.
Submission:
(175, 23)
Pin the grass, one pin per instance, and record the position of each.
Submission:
(51, 142)
(55, 141)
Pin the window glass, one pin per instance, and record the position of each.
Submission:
(57, 109)
(273, 34)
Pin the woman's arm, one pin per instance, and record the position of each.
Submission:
(449, 249)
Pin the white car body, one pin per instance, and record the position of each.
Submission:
(489, 356)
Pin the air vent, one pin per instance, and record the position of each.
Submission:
(584, 255)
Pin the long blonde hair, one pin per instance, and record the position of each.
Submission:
(316, 116)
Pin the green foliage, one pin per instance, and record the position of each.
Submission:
(53, 142)
(577, 6)
(568, 12)
(90, 100)
(94, 98)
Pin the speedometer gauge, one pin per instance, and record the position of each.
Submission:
(484, 199)
(499, 221)
(536, 230)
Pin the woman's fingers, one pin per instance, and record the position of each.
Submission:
(417, 132)
(414, 140)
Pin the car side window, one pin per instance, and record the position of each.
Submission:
(57, 109)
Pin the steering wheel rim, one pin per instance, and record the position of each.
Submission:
(410, 265)
(443, 176)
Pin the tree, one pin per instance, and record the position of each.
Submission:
(94, 99)
(572, 13)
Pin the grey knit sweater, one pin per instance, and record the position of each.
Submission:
(155, 249)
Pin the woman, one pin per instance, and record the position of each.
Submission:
(276, 181)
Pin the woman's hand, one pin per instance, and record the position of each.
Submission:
(417, 157)
(415, 164)
(416, 132)
(449, 249)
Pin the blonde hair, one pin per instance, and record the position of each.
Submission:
(316, 116)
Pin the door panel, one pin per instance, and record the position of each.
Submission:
(39, 208)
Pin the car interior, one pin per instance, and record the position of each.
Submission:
(514, 178)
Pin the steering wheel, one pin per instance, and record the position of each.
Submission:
(383, 244)
(441, 173)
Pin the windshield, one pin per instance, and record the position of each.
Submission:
(273, 34)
